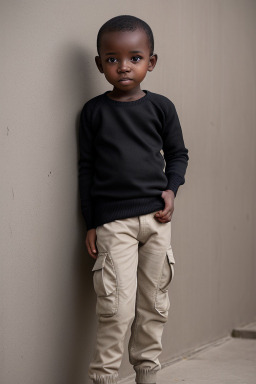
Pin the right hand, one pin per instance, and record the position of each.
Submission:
(90, 242)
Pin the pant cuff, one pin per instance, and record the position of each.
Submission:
(104, 379)
(145, 375)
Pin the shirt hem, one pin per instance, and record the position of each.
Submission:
(108, 211)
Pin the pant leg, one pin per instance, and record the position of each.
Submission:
(115, 283)
(155, 271)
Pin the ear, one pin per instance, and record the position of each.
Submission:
(98, 63)
(152, 62)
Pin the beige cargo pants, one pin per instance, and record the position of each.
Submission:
(131, 276)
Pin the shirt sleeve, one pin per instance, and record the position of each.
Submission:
(175, 152)
(86, 168)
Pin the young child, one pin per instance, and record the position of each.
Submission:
(127, 199)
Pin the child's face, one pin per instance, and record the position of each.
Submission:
(125, 59)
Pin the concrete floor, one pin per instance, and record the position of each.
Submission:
(230, 361)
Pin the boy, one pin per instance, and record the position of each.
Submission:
(127, 200)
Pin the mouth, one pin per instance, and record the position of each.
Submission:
(124, 80)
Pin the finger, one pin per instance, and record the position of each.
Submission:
(165, 211)
(92, 246)
(169, 213)
(89, 249)
(163, 214)
(165, 219)
(94, 256)
(91, 253)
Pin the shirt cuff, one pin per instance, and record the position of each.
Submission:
(174, 181)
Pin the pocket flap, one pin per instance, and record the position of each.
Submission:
(170, 255)
(100, 261)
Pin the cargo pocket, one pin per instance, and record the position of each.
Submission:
(105, 285)
(162, 302)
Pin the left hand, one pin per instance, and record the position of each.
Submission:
(166, 215)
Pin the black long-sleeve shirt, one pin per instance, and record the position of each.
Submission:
(121, 168)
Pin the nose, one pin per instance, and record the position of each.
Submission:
(124, 66)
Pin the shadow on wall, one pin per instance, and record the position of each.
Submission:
(84, 319)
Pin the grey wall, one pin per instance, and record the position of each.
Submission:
(207, 67)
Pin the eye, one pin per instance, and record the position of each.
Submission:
(136, 59)
(112, 60)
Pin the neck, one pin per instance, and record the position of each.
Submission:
(119, 95)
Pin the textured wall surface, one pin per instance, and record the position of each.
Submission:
(207, 68)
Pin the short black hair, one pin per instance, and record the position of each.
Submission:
(126, 23)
